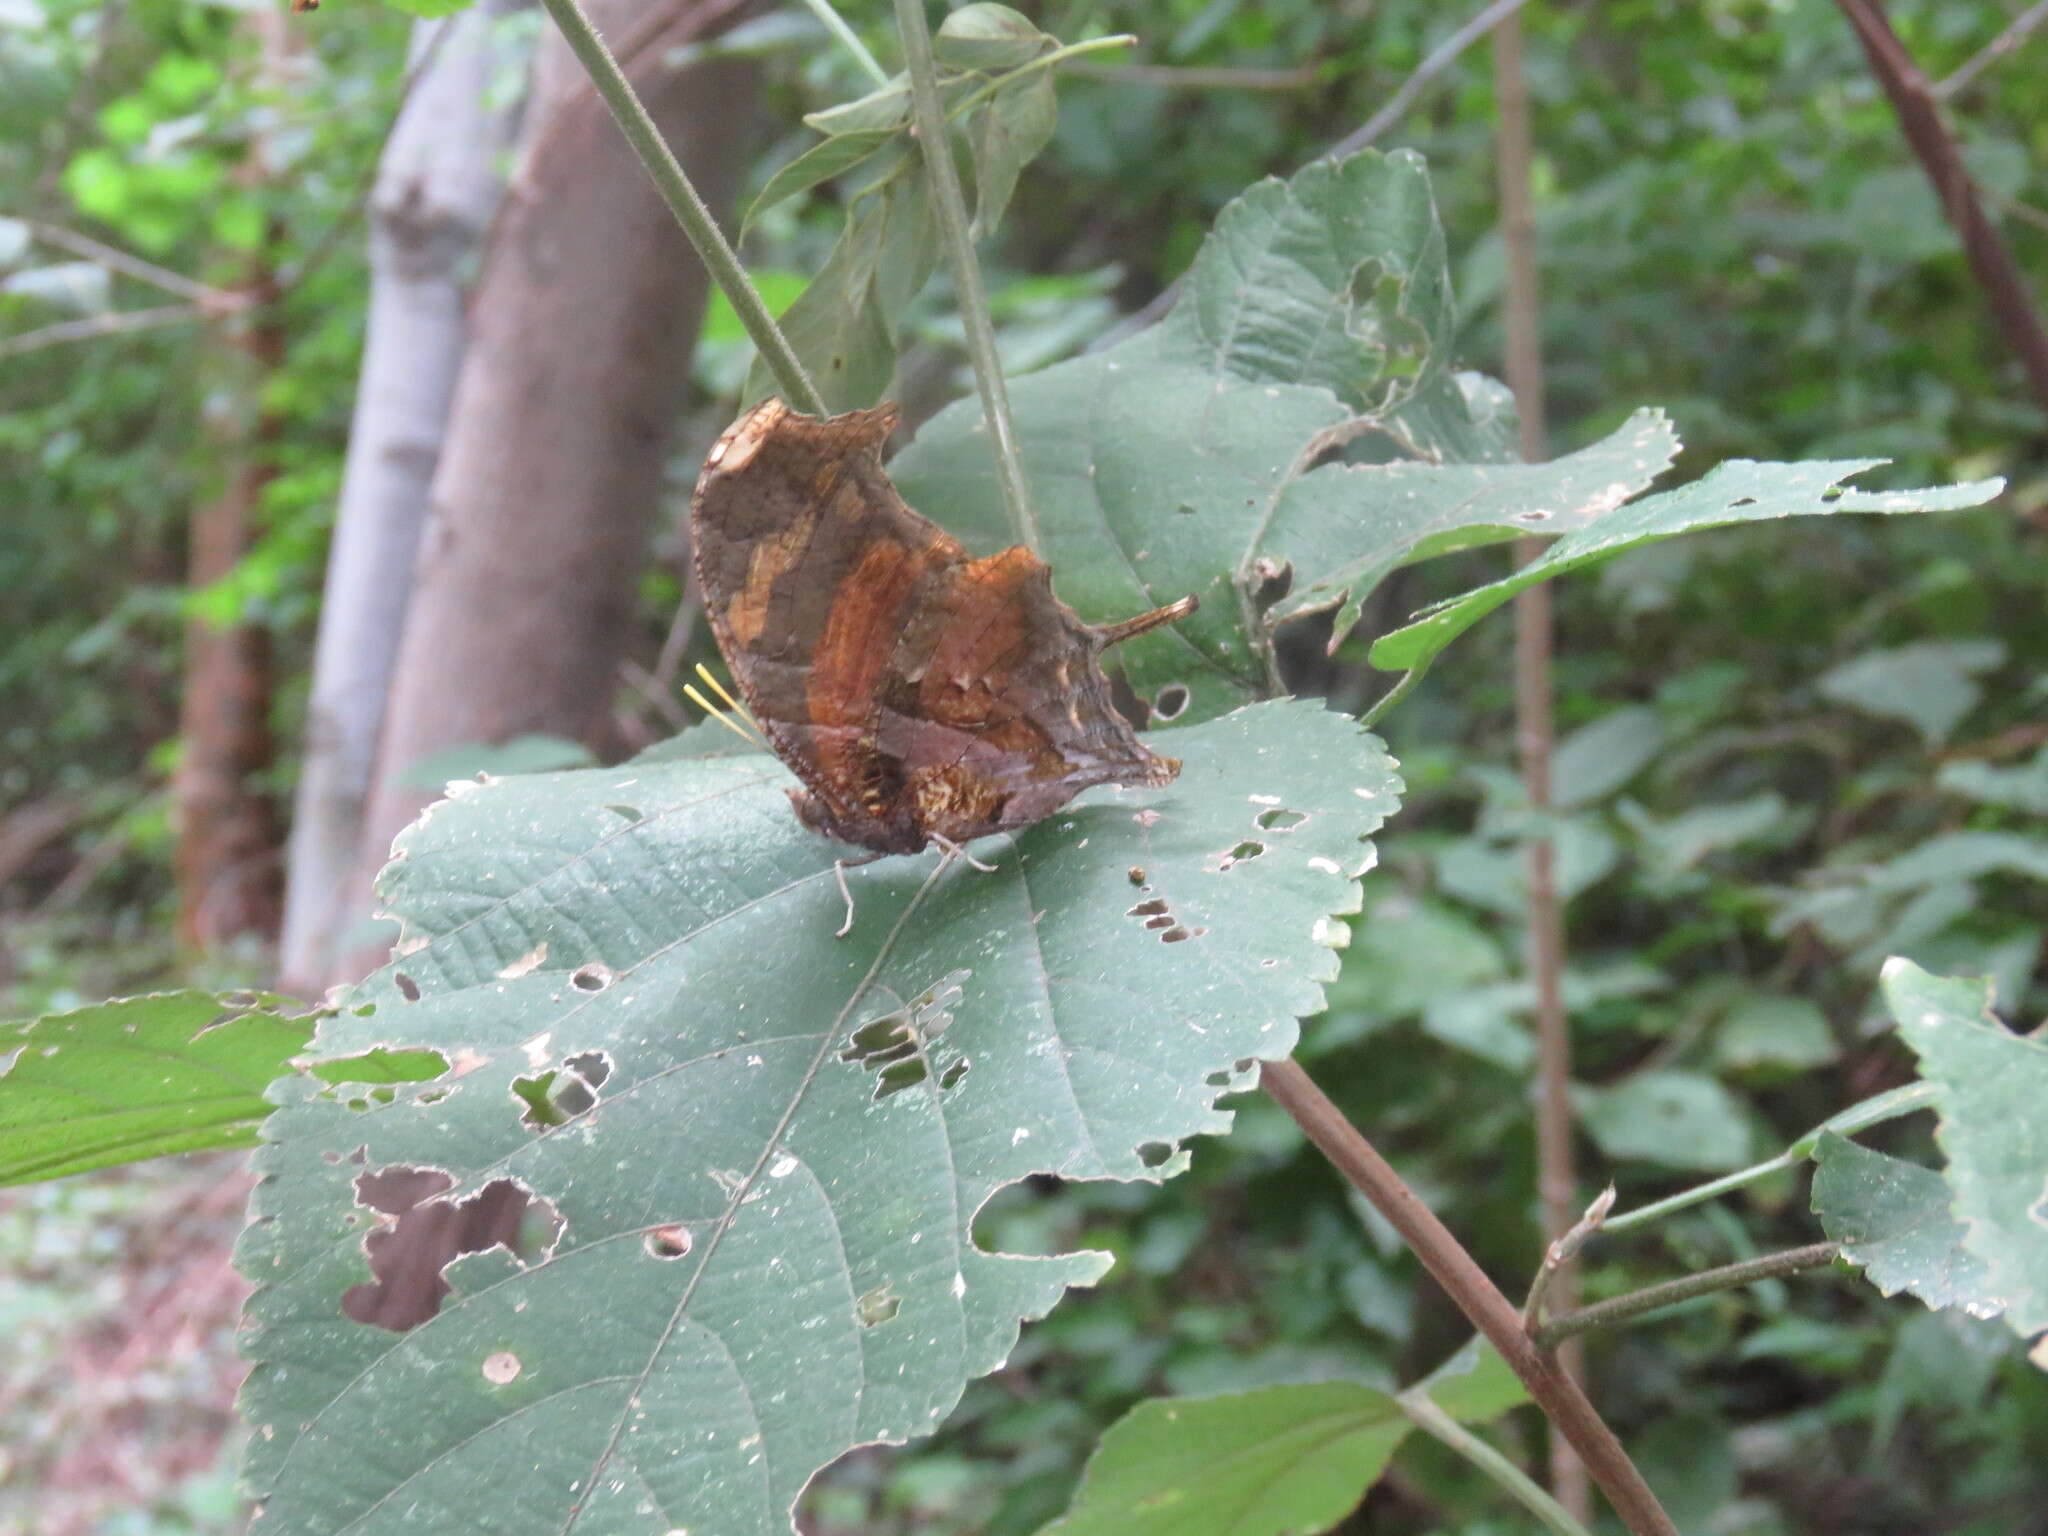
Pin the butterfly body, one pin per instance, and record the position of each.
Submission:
(921, 694)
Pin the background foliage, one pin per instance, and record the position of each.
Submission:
(1732, 230)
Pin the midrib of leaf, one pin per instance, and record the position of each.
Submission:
(724, 1223)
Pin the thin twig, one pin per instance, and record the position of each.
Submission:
(710, 243)
(99, 325)
(1173, 77)
(1441, 58)
(2015, 33)
(116, 260)
(1561, 1252)
(1990, 258)
(1857, 1117)
(1536, 730)
(951, 210)
(1512, 1480)
(836, 25)
(1654, 1298)
(1561, 1399)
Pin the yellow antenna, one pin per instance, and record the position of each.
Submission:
(719, 688)
(713, 711)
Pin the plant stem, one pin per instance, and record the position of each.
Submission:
(1872, 1111)
(1561, 1399)
(951, 209)
(683, 201)
(836, 25)
(1653, 1298)
(1536, 728)
(1516, 1483)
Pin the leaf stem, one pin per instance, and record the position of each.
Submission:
(1871, 1111)
(683, 201)
(1561, 1399)
(1513, 1481)
(1654, 1298)
(951, 210)
(836, 25)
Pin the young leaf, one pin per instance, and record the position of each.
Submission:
(1005, 134)
(139, 1077)
(1990, 1085)
(1267, 1463)
(988, 37)
(837, 326)
(821, 162)
(887, 107)
(1930, 686)
(1739, 491)
(1892, 1217)
(1474, 1386)
(758, 1248)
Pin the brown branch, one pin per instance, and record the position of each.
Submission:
(213, 300)
(1654, 1298)
(1560, 1398)
(1536, 730)
(98, 325)
(1991, 260)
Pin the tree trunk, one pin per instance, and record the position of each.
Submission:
(437, 183)
(226, 860)
(580, 340)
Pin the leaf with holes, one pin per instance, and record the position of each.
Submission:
(1739, 491)
(699, 1181)
(1892, 1219)
(138, 1077)
(1989, 1085)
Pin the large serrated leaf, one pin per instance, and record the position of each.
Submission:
(138, 1077)
(1892, 1218)
(1157, 465)
(763, 1255)
(1990, 1086)
(1738, 491)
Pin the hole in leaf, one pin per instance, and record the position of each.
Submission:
(892, 1046)
(876, 1306)
(669, 1242)
(1534, 515)
(1244, 850)
(1171, 702)
(1281, 820)
(407, 987)
(594, 977)
(1162, 921)
(558, 1095)
(408, 1255)
(1150, 908)
(1154, 1153)
(950, 1078)
(630, 812)
(1178, 934)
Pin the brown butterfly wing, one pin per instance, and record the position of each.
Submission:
(916, 692)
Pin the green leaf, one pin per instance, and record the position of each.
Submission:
(887, 107)
(821, 162)
(1680, 1119)
(1474, 1386)
(138, 1077)
(1930, 686)
(1892, 1218)
(1274, 1462)
(1352, 525)
(1739, 491)
(760, 1251)
(1597, 759)
(2024, 788)
(1763, 1030)
(985, 36)
(1990, 1087)
(837, 327)
(1005, 134)
(522, 754)
(427, 10)
(1156, 464)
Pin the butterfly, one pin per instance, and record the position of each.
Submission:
(921, 695)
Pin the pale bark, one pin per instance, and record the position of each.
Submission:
(437, 182)
(580, 338)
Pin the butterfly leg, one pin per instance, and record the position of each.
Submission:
(839, 869)
(953, 850)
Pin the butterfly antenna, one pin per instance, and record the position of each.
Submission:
(714, 712)
(1111, 634)
(711, 678)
